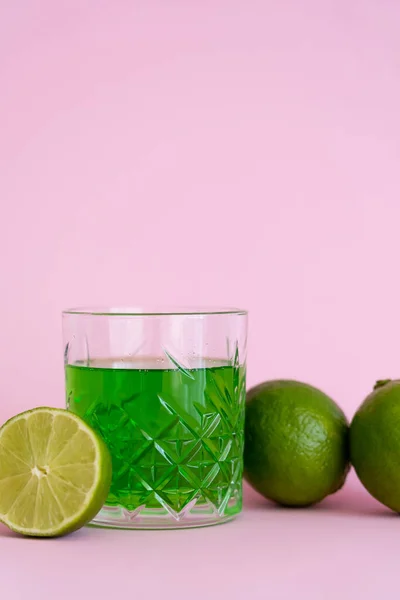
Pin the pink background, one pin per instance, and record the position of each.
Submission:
(207, 152)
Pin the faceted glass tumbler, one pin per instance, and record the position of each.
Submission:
(166, 391)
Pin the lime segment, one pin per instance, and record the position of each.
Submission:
(55, 472)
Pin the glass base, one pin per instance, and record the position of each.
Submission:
(153, 518)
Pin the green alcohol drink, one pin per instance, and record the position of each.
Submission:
(175, 434)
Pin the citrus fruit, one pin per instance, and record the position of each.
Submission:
(55, 472)
(375, 443)
(296, 443)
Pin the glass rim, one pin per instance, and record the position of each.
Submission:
(136, 311)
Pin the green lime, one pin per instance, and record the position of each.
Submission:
(375, 443)
(55, 472)
(296, 443)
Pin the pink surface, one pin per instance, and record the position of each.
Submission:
(346, 548)
(225, 152)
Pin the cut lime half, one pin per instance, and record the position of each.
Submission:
(55, 472)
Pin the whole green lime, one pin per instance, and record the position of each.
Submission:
(375, 443)
(296, 443)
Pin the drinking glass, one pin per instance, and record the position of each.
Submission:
(165, 389)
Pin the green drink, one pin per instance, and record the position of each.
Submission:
(165, 389)
(175, 434)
